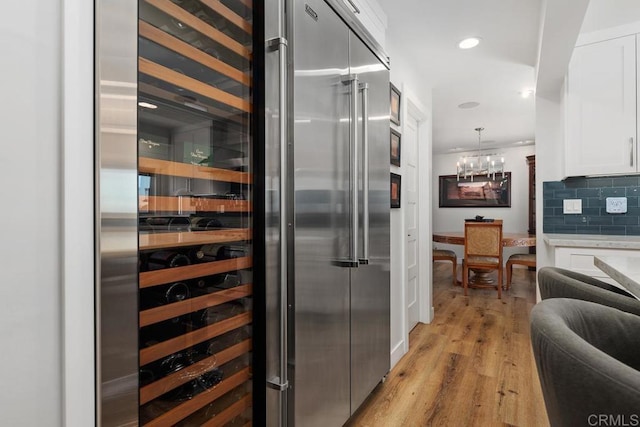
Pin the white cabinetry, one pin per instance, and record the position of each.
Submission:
(581, 260)
(601, 109)
(371, 16)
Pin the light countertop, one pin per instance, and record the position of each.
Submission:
(623, 270)
(593, 241)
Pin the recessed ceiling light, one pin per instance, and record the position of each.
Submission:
(470, 104)
(147, 105)
(469, 43)
(526, 93)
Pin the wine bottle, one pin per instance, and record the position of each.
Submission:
(190, 389)
(161, 331)
(179, 224)
(209, 224)
(224, 251)
(161, 295)
(226, 280)
(167, 259)
(196, 255)
(217, 313)
(217, 344)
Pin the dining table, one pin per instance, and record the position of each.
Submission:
(482, 278)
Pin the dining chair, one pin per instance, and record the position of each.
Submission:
(447, 255)
(482, 250)
(528, 260)
(588, 361)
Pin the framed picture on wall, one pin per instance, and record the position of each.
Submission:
(395, 190)
(395, 104)
(394, 145)
(483, 191)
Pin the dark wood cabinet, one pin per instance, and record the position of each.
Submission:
(531, 162)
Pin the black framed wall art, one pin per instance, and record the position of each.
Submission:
(394, 104)
(394, 147)
(396, 181)
(492, 191)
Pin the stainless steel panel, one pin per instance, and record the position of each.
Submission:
(321, 155)
(276, 168)
(116, 212)
(344, 11)
(370, 333)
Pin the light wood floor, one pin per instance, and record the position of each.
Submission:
(472, 366)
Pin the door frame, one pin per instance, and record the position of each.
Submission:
(412, 105)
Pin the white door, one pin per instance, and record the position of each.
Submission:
(409, 157)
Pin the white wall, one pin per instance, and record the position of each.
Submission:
(515, 218)
(30, 261)
(549, 163)
(411, 85)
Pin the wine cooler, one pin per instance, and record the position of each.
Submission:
(194, 297)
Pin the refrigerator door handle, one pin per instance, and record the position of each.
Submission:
(364, 87)
(353, 154)
(280, 44)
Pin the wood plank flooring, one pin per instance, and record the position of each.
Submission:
(472, 366)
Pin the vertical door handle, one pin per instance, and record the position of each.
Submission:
(364, 87)
(352, 81)
(631, 151)
(280, 44)
(354, 169)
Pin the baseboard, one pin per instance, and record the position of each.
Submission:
(396, 353)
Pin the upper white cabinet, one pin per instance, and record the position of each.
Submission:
(601, 132)
(371, 16)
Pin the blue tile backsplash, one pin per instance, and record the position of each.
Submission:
(594, 218)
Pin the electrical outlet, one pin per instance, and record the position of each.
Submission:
(572, 206)
(616, 205)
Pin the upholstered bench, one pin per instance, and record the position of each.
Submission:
(522, 259)
(447, 255)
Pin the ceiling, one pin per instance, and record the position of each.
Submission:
(492, 74)
(425, 33)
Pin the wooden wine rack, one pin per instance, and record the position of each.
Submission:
(199, 401)
(164, 167)
(229, 105)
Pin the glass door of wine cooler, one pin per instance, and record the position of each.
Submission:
(195, 223)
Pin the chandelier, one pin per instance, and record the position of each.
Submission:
(479, 164)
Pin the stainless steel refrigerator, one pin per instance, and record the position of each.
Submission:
(327, 158)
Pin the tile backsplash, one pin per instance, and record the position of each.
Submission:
(593, 193)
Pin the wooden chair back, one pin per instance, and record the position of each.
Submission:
(482, 250)
(483, 239)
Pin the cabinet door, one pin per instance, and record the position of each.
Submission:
(601, 109)
(371, 16)
(581, 260)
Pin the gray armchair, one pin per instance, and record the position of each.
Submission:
(588, 361)
(560, 283)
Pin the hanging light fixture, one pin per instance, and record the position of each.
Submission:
(480, 164)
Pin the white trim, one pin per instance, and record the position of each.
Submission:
(412, 105)
(78, 376)
(608, 34)
(397, 352)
